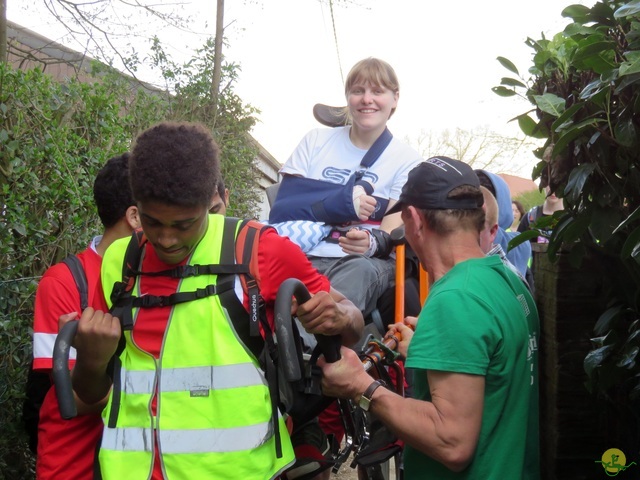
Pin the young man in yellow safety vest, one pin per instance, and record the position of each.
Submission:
(185, 398)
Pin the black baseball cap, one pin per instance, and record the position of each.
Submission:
(430, 183)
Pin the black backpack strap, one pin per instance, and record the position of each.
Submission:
(534, 214)
(39, 383)
(243, 250)
(80, 277)
(237, 313)
(121, 292)
(120, 300)
(245, 256)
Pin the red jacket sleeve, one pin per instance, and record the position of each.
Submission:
(280, 259)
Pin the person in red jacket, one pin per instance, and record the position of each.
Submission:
(66, 448)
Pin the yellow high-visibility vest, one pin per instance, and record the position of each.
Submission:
(213, 405)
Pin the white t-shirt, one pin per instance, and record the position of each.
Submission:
(327, 154)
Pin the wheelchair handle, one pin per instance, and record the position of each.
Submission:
(61, 373)
(287, 336)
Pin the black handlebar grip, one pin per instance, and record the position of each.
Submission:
(397, 235)
(330, 347)
(286, 335)
(61, 374)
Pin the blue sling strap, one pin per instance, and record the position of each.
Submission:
(302, 198)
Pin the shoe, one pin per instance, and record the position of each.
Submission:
(313, 452)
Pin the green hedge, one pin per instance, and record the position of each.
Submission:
(53, 139)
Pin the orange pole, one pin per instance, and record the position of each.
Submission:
(400, 258)
(424, 285)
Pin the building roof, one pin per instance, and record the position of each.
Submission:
(518, 185)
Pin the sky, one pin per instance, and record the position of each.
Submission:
(291, 57)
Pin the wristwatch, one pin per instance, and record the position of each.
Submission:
(365, 399)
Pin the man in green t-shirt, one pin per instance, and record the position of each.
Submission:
(474, 414)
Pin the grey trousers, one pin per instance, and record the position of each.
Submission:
(361, 279)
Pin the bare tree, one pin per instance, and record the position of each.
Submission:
(109, 29)
(3, 30)
(480, 147)
(217, 65)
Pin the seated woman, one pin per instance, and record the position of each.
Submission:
(340, 182)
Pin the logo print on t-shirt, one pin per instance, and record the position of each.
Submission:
(523, 303)
(336, 175)
(341, 175)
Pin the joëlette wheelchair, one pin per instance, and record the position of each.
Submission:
(371, 443)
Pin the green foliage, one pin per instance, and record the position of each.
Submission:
(230, 122)
(530, 199)
(53, 139)
(584, 86)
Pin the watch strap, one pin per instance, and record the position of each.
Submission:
(365, 399)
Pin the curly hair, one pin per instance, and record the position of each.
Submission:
(445, 222)
(175, 164)
(111, 190)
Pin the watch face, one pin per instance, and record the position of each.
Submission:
(364, 403)
(365, 399)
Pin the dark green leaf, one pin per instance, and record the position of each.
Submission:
(632, 65)
(566, 117)
(579, 13)
(634, 335)
(630, 219)
(625, 133)
(635, 254)
(577, 178)
(527, 124)
(20, 228)
(591, 89)
(512, 82)
(593, 49)
(576, 255)
(503, 91)
(628, 359)
(506, 63)
(521, 238)
(603, 221)
(573, 133)
(630, 244)
(550, 103)
(627, 10)
(530, 128)
(595, 358)
(576, 29)
(573, 229)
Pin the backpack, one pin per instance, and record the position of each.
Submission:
(301, 399)
(39, 383)
(534, 214)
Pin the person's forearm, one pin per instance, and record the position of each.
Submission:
(88, 409)
(90, 384)
(420, 425)
(353, 322)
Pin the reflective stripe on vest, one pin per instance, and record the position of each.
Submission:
(192, 379)
(218, 440)
(213, 403)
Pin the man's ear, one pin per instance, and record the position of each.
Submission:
(417, 220)
(133, 217)
(493, 232)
